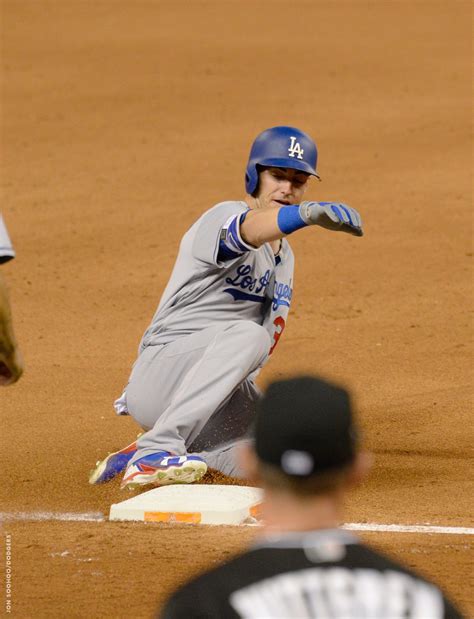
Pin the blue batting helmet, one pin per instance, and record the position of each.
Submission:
(281, 147)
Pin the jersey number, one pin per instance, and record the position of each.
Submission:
(279, 323)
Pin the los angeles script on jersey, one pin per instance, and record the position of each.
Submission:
(247, 287)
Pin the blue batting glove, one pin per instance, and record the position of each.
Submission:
(332, 216)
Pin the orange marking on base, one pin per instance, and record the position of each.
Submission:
(187, 517)
(256, 511)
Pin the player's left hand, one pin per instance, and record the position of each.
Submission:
(332, 216)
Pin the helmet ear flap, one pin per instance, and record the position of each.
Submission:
(251, 179)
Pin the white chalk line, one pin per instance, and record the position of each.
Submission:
(48, 516)
(408, 528)
(351, 526)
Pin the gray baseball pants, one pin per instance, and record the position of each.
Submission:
(197, 394)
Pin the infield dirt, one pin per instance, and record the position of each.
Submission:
(121, 123)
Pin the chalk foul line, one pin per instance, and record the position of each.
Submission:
(407, 528)
(350, 526)
(48, 516)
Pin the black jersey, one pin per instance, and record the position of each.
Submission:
(318, 574)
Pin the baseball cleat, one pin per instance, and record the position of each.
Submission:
(115, 463)
(163, 469)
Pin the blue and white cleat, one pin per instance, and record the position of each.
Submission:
(163, 469)
(115, 463)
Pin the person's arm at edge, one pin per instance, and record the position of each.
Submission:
(11, 367)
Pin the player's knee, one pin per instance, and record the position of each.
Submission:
(254, 338)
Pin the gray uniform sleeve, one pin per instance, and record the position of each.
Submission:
(6, 250)
(217, 241)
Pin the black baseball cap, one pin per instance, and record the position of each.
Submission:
(305, 426)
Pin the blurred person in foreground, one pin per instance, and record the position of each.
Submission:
(11, 367)
(305, 454)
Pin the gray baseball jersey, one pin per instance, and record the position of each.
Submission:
(6, 249)
(218, 277)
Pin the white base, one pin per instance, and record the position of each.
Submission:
(194, 504)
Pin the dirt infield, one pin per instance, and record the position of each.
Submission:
(121, 122)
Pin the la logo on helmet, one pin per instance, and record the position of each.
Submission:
(295, 149)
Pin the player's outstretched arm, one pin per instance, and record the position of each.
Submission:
(10, 359)
(269, 224)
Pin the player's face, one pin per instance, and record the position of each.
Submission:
(281, 186)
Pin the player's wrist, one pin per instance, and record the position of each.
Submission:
(290, 219)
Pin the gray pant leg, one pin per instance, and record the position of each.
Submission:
(158, 372)
(226, 458)
(179, 387)
(232, 421)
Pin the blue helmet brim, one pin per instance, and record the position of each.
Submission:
(293, 165)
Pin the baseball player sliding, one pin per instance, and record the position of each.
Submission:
(192, 388)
